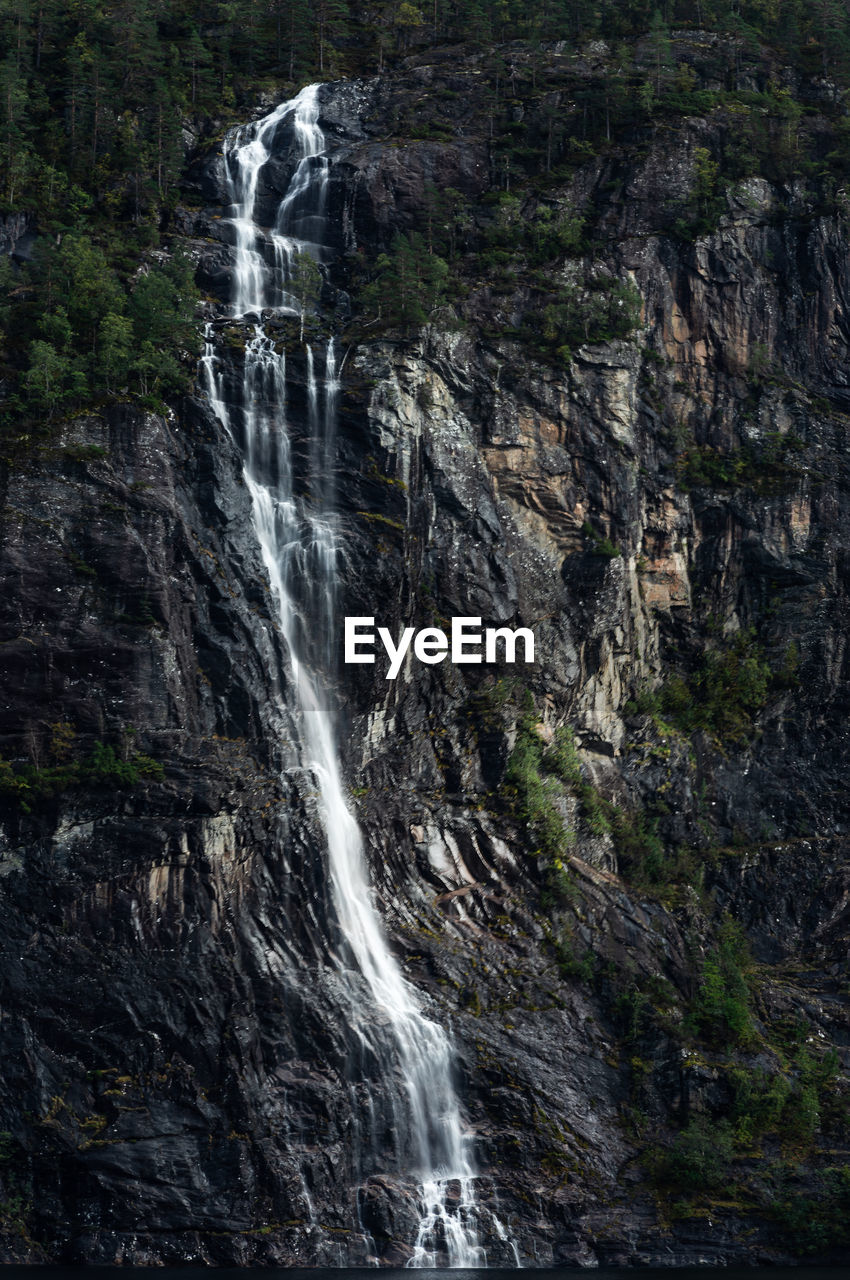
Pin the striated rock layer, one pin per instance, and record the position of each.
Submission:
(177, 1084)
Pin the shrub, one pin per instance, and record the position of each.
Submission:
(700, 1156)
(759, 1101)
(722, 696)
(103, 767)
(766, 468)
(560, 887)
(640, 849)
(570, 964)
(601, 544)
(533, 795)
(816, 1223)
(595, 310)
(720, 1009)
(561, 758)
(548, 234)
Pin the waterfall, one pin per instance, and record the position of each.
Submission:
(299, 541)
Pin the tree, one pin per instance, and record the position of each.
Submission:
(831, 26)
(659, 43)
(305, 285)
(330, 20)
(706, 172)
(555, 232)
(55, 328)
(199, 60)
(293, 25)
(157, 370)
(114, 343)
(87, 284)
(408, 282)
(407, 19)
(44, 380)
(447, 219)
(8, 279)
(13, 111)
(162, 305)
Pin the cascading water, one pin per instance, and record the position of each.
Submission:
(299, 545)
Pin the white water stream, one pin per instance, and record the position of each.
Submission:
(299, 543)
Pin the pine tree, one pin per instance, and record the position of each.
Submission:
(293, 29)
(330, 21)
(44, 380)
(305, 286)
(85, 283)
(114, 344)
(13, 117)
(659, 42)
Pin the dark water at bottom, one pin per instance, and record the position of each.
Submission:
(391, 1273)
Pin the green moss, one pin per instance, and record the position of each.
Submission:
(384, 521)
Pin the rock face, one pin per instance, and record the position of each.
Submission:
(177, 1083)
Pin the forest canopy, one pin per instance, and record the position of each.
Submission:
(93, 96)
(99, 103)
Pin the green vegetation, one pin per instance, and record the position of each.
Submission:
(765, 469)
(570, 964)
(82, 332)
(813, 1218)
(31, 783)
(533, 777)
(532, 795)
(759, 1102)
(724, 1151)
(706, 200)
(600, 544)
(641, 855)
(514, 237)
(15, 1186)
(722, 696)
(767, 1104)
(594, 309)
(640, 851)
(720, 1010)
(699, 1157)
(95, 102)
(406, 284)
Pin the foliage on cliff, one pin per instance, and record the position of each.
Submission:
(95, 103)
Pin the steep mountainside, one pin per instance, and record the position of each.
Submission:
(594, 382)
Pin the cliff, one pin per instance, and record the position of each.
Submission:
(619, 876)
